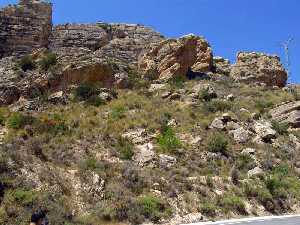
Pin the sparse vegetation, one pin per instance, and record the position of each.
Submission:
(209, 209)
(48, 61)
(281, 128)
(27, 63)
(18, 120)
(177, 82)
(125, 148)
(230, 203)
(168, 141)
(218, 143)
(82, 142)
(85, 91)
(218, 105)
(206, 95)
(153, 208)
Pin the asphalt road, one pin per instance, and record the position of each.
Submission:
(280, 220)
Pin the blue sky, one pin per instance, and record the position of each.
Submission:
(229, 25)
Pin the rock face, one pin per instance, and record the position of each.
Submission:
(175, 58)
(25, 27)
(287, 113)
(222, 66)
(259, 68)
(89, 36)
(118, 42)
(128, 41)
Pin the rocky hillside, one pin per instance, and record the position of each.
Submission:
(116, 124)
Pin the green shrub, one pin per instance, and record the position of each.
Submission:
(209, 209)
(280, 128)
(217, 105)
(276, 187)
(206, 95)
(84, 91)
(153, 208)
(177, 82)
(24, 197)
(282, 170)
(27, 63)
(210, 181)
(230, 203)
(48, 60)
(18, 121)
(118, 112)
(245, 163)
(273, 183)
(260, 192)
(218, 143)
(168, 141)
(2, 118)
(125, 148)
(262, 105)
(135, 81)
(95, 101)
(89, 163)
(264, 196)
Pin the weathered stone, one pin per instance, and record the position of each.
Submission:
(175, 96)
(25, 27)
(221, 122)
(107, 94)
(91, 36)
(23, 105)
(9, 94)
(240, 135)
(230, 97)
(127, 42)
(217, 123)
(255, 172)
(287, 113)
(157, 87)
(175, 58)
(259, 68)
(58, 98)
(138, 137)
(249, 151)
(166, 94)
(264, 130)
(222, 66)
(166, 161)
(145, 154)
(121, 80)
(85, 72)
(3, 132)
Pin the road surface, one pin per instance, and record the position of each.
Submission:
(272, 220)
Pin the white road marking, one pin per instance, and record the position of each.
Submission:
(247, 220)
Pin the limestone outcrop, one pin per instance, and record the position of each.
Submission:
(259, 68)
(174, 58)
(25, 27)
(89, 36)
(118, 42)
(287, 113)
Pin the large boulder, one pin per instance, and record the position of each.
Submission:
(287, 113)
(259, 68)
(176, 57)
(264, 131)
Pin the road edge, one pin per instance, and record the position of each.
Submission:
(250, 219)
